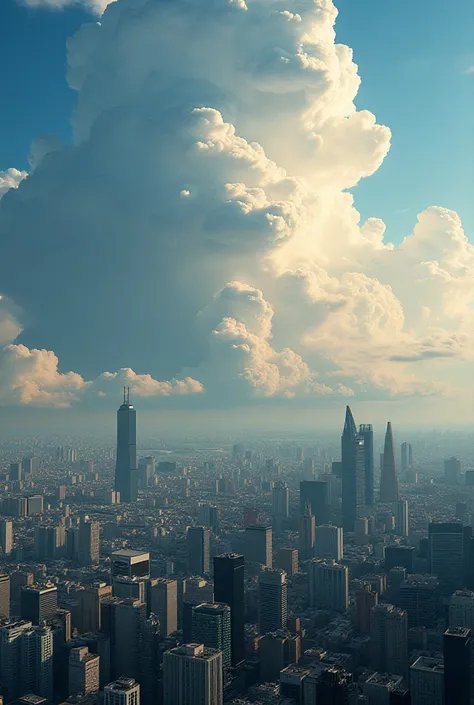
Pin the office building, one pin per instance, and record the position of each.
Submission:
(38, 603)
(332, 685)
(401, 517)
(366, 432)
(89, 601)
(16, 472)
(35, 504)
(37, 648)
(366, 599)
(278, 650)
(259, 545)
(123, 691)
(130, 616)
(379, 686)
(198, 545)
(399, 556)
(88, 543)
(407, 456)
(280, 500)
(329, 542)
(11, 657)
(50, 542)
(328, 585)
(4, 596)
(446, 552)
(130, 588)
(130, 563)
(126, 463)
(452, 471)
(193, 674)
(30, 466)
(83, 671)
(427, 681)
(315, 493)
(461, 609)
(307, 534)
(388, 476)
(209, 516)
(6, 536)
(229, 589)
(287, 560)
(418, 596)
(146, 470)
(212, 627)
(353, 473)
(164, 604)
(272, 601)
(389, 639)
(457, 666)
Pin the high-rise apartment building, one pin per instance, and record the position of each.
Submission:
(212, 627)
(328, 585)
(123, 691)
(388, 476)
(446, 552)
(38, 603)
(164, 604)
(229, 589)
(366, 432)
(457, 666)
(280, 500)
(427, 681)
(126, 463)
(401, 517)
(389, 639)
(11, 657)
(353, 473)
(452, 471)
(316, 494)
(198, 544)
(83, 671)
(329, 542)
(37, 661)
(193, 674)
(259, 544)
(307, 534)
(88, 543)
(6, 536)
(5, 596)
(272, 600)
(287, 560)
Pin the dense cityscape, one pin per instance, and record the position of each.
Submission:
(271, 571)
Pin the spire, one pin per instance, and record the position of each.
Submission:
(350, 429)
(388, 476)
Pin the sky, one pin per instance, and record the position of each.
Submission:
(270, 294)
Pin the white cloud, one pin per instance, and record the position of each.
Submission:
(11, 178)
(95, 6)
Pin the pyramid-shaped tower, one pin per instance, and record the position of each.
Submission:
(388, 477)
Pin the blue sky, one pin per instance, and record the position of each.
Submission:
(413, 58)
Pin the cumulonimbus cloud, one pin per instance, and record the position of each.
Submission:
(201, 227)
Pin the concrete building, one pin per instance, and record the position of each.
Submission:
(307, 534)
(198, 545)
(446, 551)
(427, 681)
(88, 543)
(259, 545)
(164, 604)
(124, 691)
(5, 596)
(38, 603)
(379, 687)
(287, 560)
(83, 671)
(461, 609)
(130, 563)
(365, 601)
(90, 600)
(130, 616)
(280, 501)
(329, 542)
(212, 627)
(11, 657)
(418, 596)
(36, 672)
(401, 517)
(272, 600)
(328, 585)
(6, 536)
(389, 639)
(192, 673)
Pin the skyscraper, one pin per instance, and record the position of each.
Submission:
(130, 616)
(124, 691)
(126, 464)
(389, 639)
(130, 563)
(401, 517)
(366, 431)
(307, 534)
(287, 560)
(259, 544)
(5, 596)
(37, 661)
(280, 501)
(212, 627)
(38, 603)
(366, 599)
(192, 673)
(427, 681)
(229, 588)
(328, 585)
(272, 600)
(10, 657)
(88, 543)
(457, 664)
(6, 536)
(353, 473)
(329, 542)
(452, 470)
(198, 544)
(446, 551)
(388, 476)
(164, 604)
(315, 493)
(83, 671)
(461, 609)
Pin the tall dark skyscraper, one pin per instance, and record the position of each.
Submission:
(229, 588)
(315, 493)
(126, 466)
(457, 672)
(388, 476)
(353, 473)
(366, 432)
